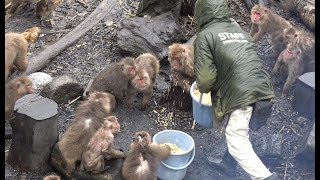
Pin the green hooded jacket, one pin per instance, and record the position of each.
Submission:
(226, 62)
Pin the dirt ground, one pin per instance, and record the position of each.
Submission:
(98, 49)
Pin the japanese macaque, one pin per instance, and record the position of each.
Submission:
(31, 34)
(100, 145)
(181, 59)
(16, 49)
(89, 117)
(52, 177)
(14, 90)
(143, 158)
(307, 44)
(115, 78)
(44, 7)
(292, 58)
(264, 21)
(147, 69)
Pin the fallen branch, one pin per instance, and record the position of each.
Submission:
(105, 8)
(285, 172)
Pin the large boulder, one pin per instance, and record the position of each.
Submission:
(144, 34)
(62, 89)
(156, 7)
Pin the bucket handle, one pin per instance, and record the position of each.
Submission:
(179, 168)
(200, 100)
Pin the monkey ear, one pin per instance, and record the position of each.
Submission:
(18, 84)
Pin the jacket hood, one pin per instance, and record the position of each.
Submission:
(209, 10)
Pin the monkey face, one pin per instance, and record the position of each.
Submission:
(176, 64)
(112, 123)
(257, 14)
(141, 81)
(24, 86)
(291, 54)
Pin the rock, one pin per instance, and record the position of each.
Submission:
(140, 34)
(304, 95)
(187, 7)
(62, 89)
(39, 80)
(34, 132)
(156, 7)
(306, 147)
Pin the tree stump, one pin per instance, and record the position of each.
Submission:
(34, 132)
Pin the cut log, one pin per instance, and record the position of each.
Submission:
(34, 133)
(106, 8)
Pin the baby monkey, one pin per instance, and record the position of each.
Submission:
(292, 58)
(143, 158)
(100, 145)
(181, 59)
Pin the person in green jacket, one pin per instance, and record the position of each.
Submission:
(227, 64)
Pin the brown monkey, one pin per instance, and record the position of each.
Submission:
(264, 21)
(150, 63)
(31, 34)
(148, 67)
(115, 78)
(101, 144)
(306, 42)
(44, 7)
(52, 177)
(16, 52)
(181, 59)
(14, 90)
(292, 57)
(143, 158)
(89, 117)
